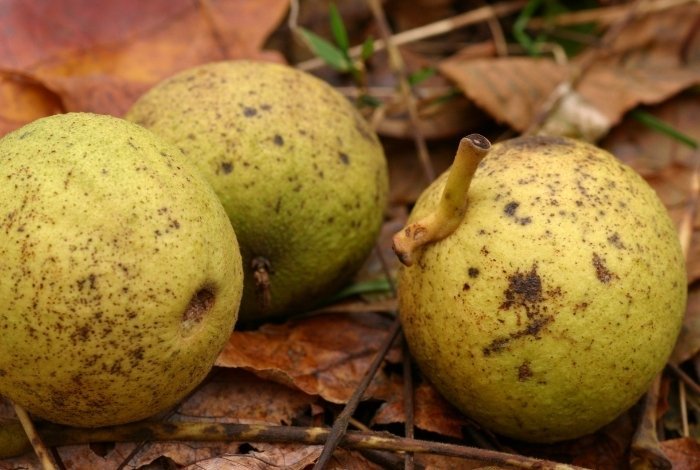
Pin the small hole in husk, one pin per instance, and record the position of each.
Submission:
(202, 301)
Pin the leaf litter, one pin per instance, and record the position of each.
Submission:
(300, 372)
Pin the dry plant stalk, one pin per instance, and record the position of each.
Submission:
(397, 65)
(40, 449)
(56, 435)
(430, 30)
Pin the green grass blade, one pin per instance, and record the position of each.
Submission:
(663, 127)
(325, 50)
(340, 34)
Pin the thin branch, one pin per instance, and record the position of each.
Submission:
(341, 423)
(408, 400)
(645, 451)
(694, 387)
(684, 409)
(40, 449)
(603, 15)
(56, 435)
(409, 464)
(478, 15)
(397, 65)
(685, 230)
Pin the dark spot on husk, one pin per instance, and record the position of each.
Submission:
(466, 287)
(202, 301)
(615, 241)
(473, 272)
(510, 210)
(524, 371)
(602, 272)
(523, 288)
(249, 112)
(226, 167)
(278, 140)
(524, 294)
(344, 158)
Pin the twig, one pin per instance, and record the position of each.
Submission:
(408, 400)
(381, 457)
(341, 423)
(694, 387)
(227, 432)
(40, 449)
(409, 464)
(437, 28)
(684, 409)
(685, 230)
(603, 15)
(645, 451)
(499, 38)
(397, 65)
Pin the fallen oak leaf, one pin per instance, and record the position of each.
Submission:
(238, 396)
(262, 457)
(100, 56)
(684, 453)
(24, 100)
(648, 62)
(324, 355)
(289, 457)
(432, 413)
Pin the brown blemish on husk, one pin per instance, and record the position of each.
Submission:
(201, 303)
(524, 371)
(524, 293)
(602, 272)
(510, 209)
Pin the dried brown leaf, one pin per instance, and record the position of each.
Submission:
(237, 396)
(405, 172)
(432, 412)
(511, 89)
(324, 355)
(439, 462)
(263, 457)
(607, 449)
(267, 456)
(229, 395)
(438, 118)
(649, 61)
(100, 56)
(684, 453)
(83, 457)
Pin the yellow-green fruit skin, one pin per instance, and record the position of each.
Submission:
(551, 308)
(302, 176)
(120, 276)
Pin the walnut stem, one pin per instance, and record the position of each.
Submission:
(453, 202)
